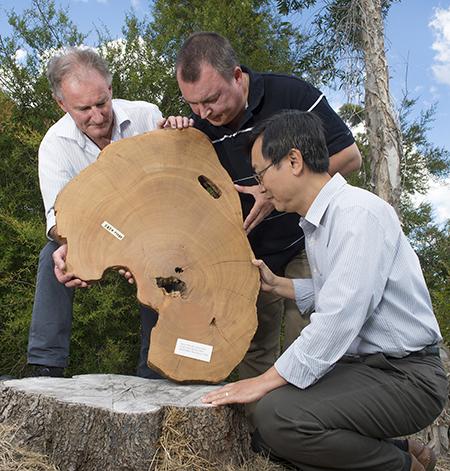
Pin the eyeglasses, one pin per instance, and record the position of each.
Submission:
(258, 176)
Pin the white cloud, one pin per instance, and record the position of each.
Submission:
(102, 1)
(360, 128)
(20, 55)
(438, 196)
(136, 4)
(440, 25)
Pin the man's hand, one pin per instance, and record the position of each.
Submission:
(272, 283)
(262, 207)
(175, 122)
(246, 390)
(127, 275)
(68, 279)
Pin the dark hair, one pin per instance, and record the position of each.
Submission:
(70, 61)
(205, 47)
(293, 129)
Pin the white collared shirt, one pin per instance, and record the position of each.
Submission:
(65, 151)
(367, 286)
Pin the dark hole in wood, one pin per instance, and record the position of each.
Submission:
(213, 321)
(171, 284)
(209, 186)
(178, 270)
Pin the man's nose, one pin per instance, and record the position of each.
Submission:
(205, 111)
(96, 116)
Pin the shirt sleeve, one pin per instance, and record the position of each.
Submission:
(337, 134)
(155, 116)
(358, 258)
(304, 294)
(54, 174)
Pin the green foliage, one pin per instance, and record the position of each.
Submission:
(138, 72)
(105, 330)
(18, 163)
(20, 243)
(421, 158)
(432, 245)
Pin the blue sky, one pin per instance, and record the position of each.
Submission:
(417, 43)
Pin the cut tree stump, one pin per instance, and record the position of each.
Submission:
(161, 205)
(121, 423)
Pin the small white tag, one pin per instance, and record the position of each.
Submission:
(198, 351)
(112, 230)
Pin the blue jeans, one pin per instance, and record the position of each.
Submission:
(51, 322)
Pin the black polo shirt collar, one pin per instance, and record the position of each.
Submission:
(255, 94)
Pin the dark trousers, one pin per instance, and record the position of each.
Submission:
(344, 421)
(51, 322)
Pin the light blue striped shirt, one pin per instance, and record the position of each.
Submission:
(65, 151)
(367, 287)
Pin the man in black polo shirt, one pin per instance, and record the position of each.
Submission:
(227, 100)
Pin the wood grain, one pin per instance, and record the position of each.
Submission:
(161, 205)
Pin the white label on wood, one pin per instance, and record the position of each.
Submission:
(112, 230)
(198, 351)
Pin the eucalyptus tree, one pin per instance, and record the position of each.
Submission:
(350, 35)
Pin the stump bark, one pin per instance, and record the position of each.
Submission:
(162, 206)
(120, 423)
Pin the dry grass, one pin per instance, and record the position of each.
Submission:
(16, 458)
(175, 451)
(443, 463)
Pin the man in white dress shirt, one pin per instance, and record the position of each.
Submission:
(81, 84)
(367, 367)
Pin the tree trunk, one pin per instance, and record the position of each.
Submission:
(163, 207)
(383, 132)
(122, 423)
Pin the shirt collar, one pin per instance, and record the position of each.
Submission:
(121, 120)
(321, 202)
(69, 129)
(256, 88)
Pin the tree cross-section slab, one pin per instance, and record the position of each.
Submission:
(118, 423)
(161, 205)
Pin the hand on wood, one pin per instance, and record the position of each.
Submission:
(175, 122)
(272, 283)
(262, 207)
(246, 390)
(267, 278)
(68, 279)
(127, 275)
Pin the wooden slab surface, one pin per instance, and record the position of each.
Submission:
(162, 206)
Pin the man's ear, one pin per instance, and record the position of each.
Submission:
(296, 161)
(60, 103)
(237, 74)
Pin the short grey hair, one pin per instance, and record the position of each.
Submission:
(69, 61)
